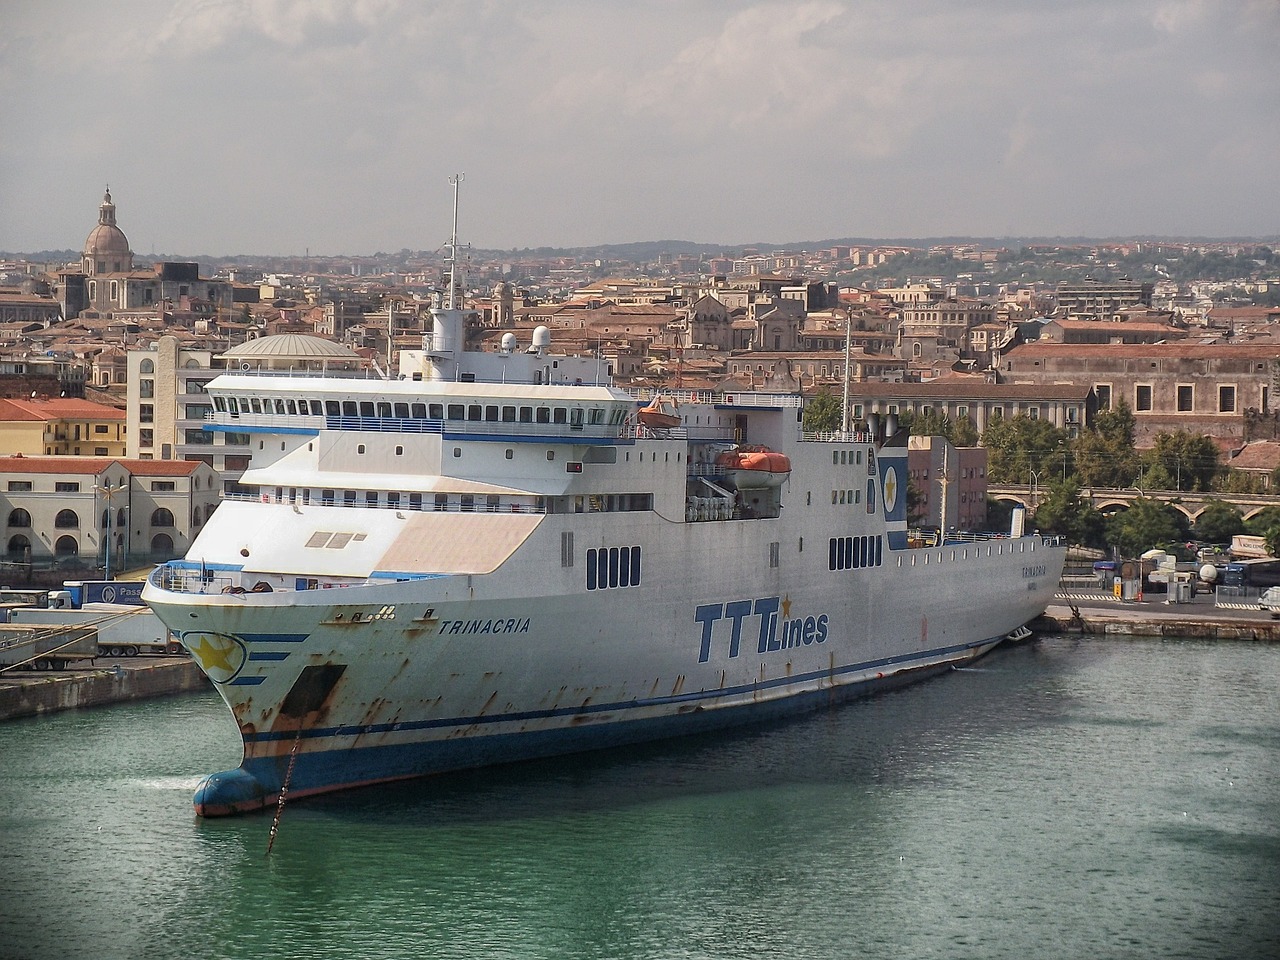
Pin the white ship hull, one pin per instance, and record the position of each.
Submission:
(429, 675)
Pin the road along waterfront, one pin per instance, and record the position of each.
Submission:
(1071, 796)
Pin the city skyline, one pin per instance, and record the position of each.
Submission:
(228, 127)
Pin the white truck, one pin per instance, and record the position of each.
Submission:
(123, 630)
(45, 648)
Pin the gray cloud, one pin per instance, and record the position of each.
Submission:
(277, 125)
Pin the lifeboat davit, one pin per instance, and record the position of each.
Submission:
(755, 467)
(660, 412)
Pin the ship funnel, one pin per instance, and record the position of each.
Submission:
(873, 426)
(890, 425)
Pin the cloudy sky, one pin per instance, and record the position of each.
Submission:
(280, 126)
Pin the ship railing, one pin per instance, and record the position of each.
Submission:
(184, 576)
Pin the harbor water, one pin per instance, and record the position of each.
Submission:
(1069, 797)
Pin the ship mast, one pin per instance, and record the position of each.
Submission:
(844, 409)
(447, 341)
(452, 260)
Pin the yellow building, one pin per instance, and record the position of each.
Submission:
(61, 426)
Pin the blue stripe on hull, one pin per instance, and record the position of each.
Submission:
(257, 782)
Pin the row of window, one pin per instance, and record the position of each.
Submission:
(69, 519)
(19, 547)
(845, 497)
(464, 502)
(412, 410)
(1185, 399)
(609, 567)
(73, 486)
(850, 553)
(842, 458)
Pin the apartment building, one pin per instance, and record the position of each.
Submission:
(950, 481)
(61, 426)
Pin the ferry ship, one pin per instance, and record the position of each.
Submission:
(493, 557)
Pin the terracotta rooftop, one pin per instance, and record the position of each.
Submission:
(94, 465)
(57, 408)
(1259, 455)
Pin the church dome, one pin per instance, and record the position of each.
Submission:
(107, 248)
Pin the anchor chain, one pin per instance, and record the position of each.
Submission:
(284, 790)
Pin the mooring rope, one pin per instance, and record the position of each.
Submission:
(284, 790)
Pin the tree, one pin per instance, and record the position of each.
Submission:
(959, 432)
(1218, 522)
(1066, 513)
(1104, 456)
(1189, 460)
(1019, 446)
(964, 432)
(822, 414)
(1262, 521)
(1238, 481)
(1272, 540)
(1144, 525)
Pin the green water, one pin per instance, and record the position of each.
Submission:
(1067, 798)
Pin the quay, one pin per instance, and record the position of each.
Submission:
(1078, 610)
(25, 693)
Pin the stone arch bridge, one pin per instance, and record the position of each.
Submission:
(1107, 500)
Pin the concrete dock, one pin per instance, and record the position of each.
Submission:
(25, 693)
(1099, 612)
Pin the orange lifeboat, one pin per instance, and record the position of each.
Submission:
(755, 467)
(660, 412)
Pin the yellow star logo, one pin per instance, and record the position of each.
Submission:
(219, 656)
(786, 608)
(890, 488)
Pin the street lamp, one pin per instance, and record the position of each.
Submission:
(109, 492)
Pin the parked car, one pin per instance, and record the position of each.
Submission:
(1270, 602)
